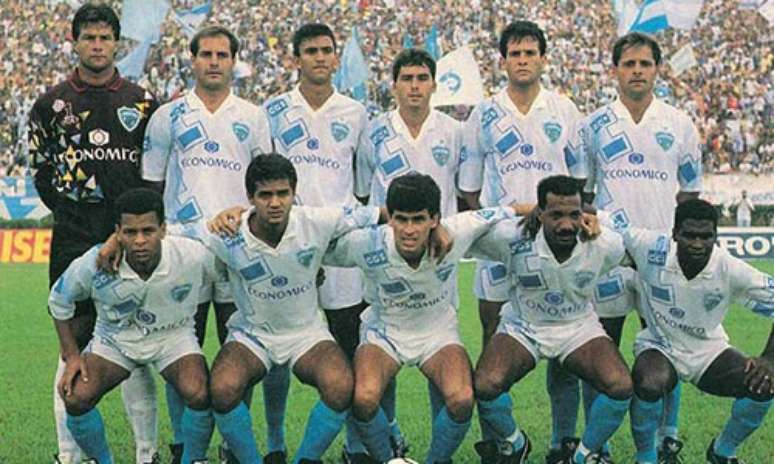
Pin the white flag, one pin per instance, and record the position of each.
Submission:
(767, 11)
(459, 79)
(683, 60)
(682, 14)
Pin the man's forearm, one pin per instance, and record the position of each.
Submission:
(68, 346)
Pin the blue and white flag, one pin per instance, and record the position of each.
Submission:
(353, 70)
(650, 18)
(133, 64)
(408, 41)
(458, 79)
(142, 19)
(683, 60)
(431, 43)
(682, 14)
(190, 20)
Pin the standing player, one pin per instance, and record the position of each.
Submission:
(640, 147)
(144, 317)
(550, 315)
(688, 286)
(318, 130)
(512, 141)
(413, 137)
(413, 317)
(86, 138)
(197, 151)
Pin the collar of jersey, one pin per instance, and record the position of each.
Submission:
(256, 244)
(80, 86)
(675, 272)
(540, 103)
(544, 251)
(652, 112)
(126, 272)
(196, 103)
(401, 128)
(298, 99)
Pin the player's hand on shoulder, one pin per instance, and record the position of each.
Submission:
(227, 221)
(530, 223)
(441, 242)
(109, 255)
(590, 228)
(759, 375)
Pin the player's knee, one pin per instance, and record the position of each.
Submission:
(226, 393)
(196, 395)
(79, 403)
(336, 391)
(365, 403)
(488, 386)
(460, 404)
(618, 386)
(651, 386)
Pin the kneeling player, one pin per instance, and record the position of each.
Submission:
(688, 286)
(144, 317)
(412, 320)
(550, 315)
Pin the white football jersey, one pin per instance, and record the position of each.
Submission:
(544, 291)
(506, 153)
(681, 312)
(129, 308)
(633, 167)
(403, 297)
(388, 150)
(275, 289)
(321, 144)
(202, 157)
(615, 293)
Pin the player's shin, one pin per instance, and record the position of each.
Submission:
(68, 451)
(276, 385)
(139, 395)
(175, 408)
(606, 416)
(645, 417)
(670, 419)
(197, 429)
(564, 392)
(447, 437)
(496, 415)
(374, 434)
(746, 416)
(88, 430)
(236, 428)
(321, 429)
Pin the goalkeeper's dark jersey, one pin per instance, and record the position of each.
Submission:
(85, 145)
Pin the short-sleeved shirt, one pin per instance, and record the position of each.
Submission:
(128, 307)
(401, 296)
(321, 144)
(275, 287)
(506, 153)
(635, 166)
(388, 150)
(682, 312)
(201, 156)
(544, 291)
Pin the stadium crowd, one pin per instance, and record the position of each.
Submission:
(729, 95)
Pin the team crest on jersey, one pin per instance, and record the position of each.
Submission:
(583, 278)
(553, 131)
(485, 214)
(339, 131)
(440, 155)
(241, 131)
(305, 257)
(180, 292)
(665, 140)
(712, 300)
(444, 272)
(145, 317)
(129, 117)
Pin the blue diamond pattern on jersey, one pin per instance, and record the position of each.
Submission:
(396, 287)
(609, 289)
(508, 142)
(569, 157)
(191, 136)
(497, 273)
(530, 281)
(687, 170)
(393, 164)
(127, 306)
(764, 309)
(292, 135)
(256, 271)
(189, 212)
(616, 148)
(661, 294)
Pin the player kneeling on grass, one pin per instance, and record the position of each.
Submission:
(689, 284)
(412, 319)
(144, 317)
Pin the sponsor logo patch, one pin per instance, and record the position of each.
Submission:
(99, 137)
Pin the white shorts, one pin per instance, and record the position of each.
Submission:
(278, 349)
(343, 287)
(551, 341)
(690, 366)
(492, 281)
(409, 348)
(159, 349)
(615, 293)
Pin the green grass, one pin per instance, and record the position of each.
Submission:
(28, 346)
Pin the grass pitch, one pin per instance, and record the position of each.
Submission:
(28, 345)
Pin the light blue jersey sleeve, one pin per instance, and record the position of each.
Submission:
(157, 146)
(365, 163)
(261, 141)
(217, 245)
(467, 227)
(587, 147)
(471, 174)
(351, 218)
(346, 250)
(575, 156)
(752, 288)
(497, 244)
(689, 171)
(74, 285)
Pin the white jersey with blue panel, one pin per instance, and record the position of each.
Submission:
(542, 290)
(616, 293)
(275, 288)
(321, 144)
(201, 156)
(411, 299)
(633, 167)
(388, 150)
(506, 153)
(683, 315)
(128, 307)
